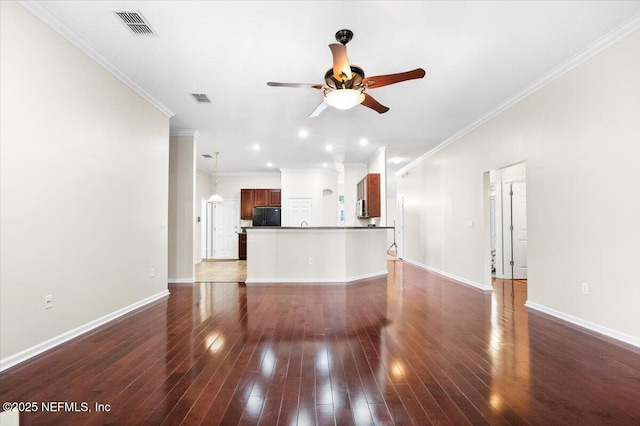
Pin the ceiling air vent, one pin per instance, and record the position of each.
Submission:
(207, 156)
(135, 22)
(201, 98)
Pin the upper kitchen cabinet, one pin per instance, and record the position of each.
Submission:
(250, 198)
(274, 197)
(260, 197)
(246, 203)
(369, 196)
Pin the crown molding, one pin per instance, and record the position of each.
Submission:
(249, 174)
(193, 133)
(48, 18)
(241, 174)
(590, 51)
(327, 171)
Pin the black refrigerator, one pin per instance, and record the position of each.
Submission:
(266, 216)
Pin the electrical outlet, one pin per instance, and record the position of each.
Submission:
(311, 261)
(152, 272)
(48, 301)
(585, 288)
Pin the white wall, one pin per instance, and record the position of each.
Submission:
(83, 189)
(229, 186)
(579, 136)
(182, 209)
(312, 184)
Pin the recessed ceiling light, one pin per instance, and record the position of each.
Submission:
(363, 141)
(329, 147)
(256, 147)
(396, 160)
(303, 133)
(269, 164)
(324, 164)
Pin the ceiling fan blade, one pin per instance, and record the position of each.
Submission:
(296, 85)
(385, 80)
(369, 102)
(316, 112)
(341, 67)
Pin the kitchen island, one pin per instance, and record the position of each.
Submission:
(315, 255)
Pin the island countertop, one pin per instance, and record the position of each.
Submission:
(316, 227)
(315, 254)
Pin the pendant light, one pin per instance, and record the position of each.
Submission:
(216, 198)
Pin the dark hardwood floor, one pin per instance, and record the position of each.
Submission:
(413, 348)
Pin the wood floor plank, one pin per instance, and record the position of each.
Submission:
(411, 348)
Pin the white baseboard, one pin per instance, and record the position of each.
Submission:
(634, 341)
(71, 334)
(181, 280)
(312, 281)
(456, 279)
(365, 276)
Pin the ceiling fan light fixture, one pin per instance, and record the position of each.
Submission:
(344, 98)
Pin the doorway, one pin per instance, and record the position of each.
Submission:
(515, 256)
(508, 222)
(399, 228)
(221, 227)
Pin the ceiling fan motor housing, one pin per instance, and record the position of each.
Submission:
(357, 75)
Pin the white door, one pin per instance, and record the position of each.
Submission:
(299, 211)
(399, 231)
(224, 237)
(519, 207)
(515, 230)
(204, 228)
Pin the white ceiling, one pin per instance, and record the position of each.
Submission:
(477, 55)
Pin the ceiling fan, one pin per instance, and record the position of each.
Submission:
(345, 84)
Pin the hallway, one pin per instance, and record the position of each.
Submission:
(221, 271)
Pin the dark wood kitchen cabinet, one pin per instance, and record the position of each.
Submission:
(260, 197)
(274, 197)
(250, 198)
(242, 246)
(369, 191)
(246, 204)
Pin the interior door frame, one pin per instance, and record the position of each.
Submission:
(399, 229)
(211, 216)
(509, 272)
(501, 268)
(207, 232)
